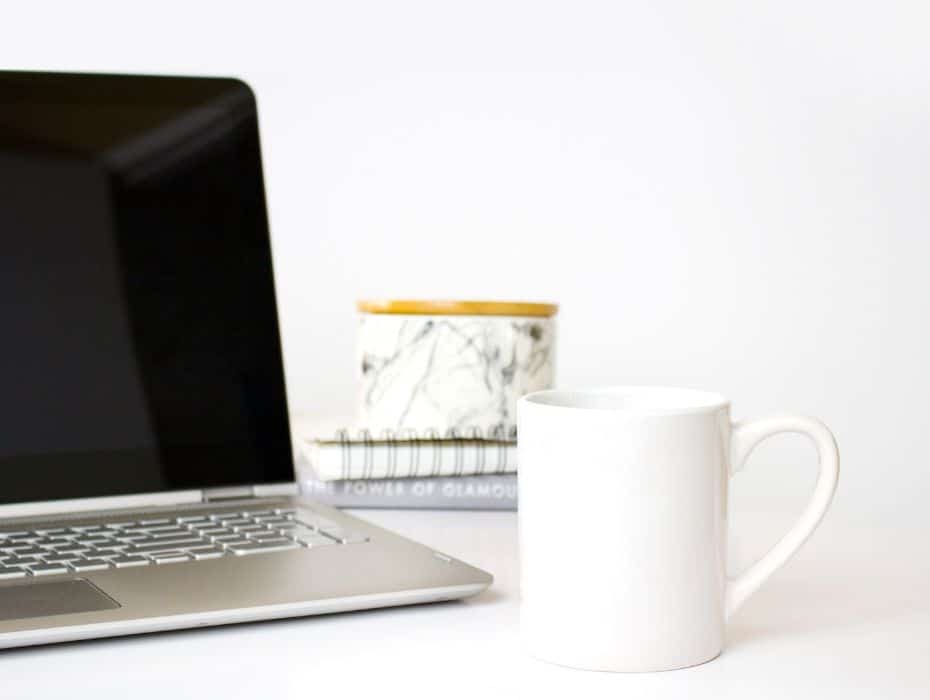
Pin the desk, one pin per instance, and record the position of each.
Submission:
(849, 617)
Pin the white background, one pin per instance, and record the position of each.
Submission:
(724, 195)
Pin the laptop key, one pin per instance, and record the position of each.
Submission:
(19, 542)
(169, 557)
(90, 565)
(266, 546)
(209, 553)
(92, 540)
(129, 538)
(213, 530)
(59, 559)
(232, 522)
(302, 532)
(231, 537)
(173, 532)
(23, 541)
(225, 516)
(70, 548)
(8, 572)
(149, 529)
(20, 561)
(47, 569)
(170, 527)
(315, 539)
(26, 550)
(123, 561)
(164, 546)
(113, 547)
(183, 537)
(190, 519)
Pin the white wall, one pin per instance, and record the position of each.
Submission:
(734, 196)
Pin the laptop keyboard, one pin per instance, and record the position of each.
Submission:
(164, 540)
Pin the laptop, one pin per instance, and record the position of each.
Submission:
(147, 480)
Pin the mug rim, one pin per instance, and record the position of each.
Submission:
(610, 400)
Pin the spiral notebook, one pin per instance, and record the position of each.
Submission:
(361, 455)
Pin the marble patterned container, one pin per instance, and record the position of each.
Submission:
(434, 367)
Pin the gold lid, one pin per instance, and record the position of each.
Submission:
(457, 308)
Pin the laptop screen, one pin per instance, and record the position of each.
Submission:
(139, 345)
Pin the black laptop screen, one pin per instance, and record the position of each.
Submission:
(139, 345)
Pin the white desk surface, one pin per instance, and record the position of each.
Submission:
(849, 617)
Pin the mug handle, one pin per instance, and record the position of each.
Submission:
(744, 438)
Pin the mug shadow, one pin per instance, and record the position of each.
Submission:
(837, 596)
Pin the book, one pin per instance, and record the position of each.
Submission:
(484, 492)
(409, 455)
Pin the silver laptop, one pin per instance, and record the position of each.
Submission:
(146, 471)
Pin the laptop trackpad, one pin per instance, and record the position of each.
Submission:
(52, 598)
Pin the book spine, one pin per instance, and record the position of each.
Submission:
(488, 492)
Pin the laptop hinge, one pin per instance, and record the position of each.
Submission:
(233, 493)
(228, 493)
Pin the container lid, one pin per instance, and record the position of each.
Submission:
(457, 308)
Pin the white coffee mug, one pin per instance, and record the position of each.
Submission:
(623, 523)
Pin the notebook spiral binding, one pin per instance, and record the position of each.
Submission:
(497, 441)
